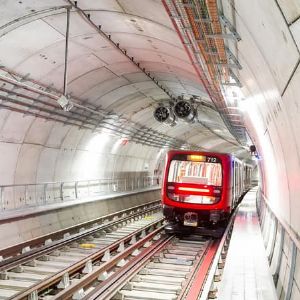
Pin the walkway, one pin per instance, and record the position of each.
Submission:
(247, 275)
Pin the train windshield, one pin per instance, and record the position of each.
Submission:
(194, 172)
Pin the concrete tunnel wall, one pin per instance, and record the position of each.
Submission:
(36, 150)
(32, 44)
(33, 150)
(269, 54)
(36, 224)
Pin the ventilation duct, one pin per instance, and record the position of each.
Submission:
(185, 110)
(164, 114)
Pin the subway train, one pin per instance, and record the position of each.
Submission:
(201, 189)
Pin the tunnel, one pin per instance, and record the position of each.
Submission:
(93, 95)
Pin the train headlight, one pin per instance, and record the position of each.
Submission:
(194, 199)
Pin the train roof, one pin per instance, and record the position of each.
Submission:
(172, 152)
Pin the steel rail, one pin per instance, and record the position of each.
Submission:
(201, 266)
(202, 273)
(197, 284)
(75, 268)
(87, 280)
(202, 259)
(108, 288)
(220, 254)
(36, 252)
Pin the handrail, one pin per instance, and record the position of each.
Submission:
(293, 235)
(267, 210)
(71, 181)
(19, 196)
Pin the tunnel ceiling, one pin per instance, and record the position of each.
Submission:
(118, 71)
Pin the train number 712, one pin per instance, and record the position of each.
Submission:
(212, 159)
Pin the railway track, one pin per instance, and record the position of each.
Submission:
(128, 258)
(167, 275)
(47, 264)
(157, 267)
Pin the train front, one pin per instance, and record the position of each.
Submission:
(196, 189)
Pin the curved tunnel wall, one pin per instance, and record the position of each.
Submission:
(32, 45)
(34, 150)
(269, 54)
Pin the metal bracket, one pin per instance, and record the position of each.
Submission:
(212, 53)
(273, 240)
(187, 28)
(233, 58)
(222, 36)
(237, 81)
(231, 66)
(292, 272)
(204, 20)
(188, 5)
(33, 296)
(276, 274)
(229, 84)
(226, 23)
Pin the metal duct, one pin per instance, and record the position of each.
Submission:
(165, 115)
(185, 110)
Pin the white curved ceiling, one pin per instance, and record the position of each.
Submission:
(32, 45)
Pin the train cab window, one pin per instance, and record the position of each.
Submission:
(195, 182)
(195, 172)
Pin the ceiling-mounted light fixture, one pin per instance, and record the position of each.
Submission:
(164, 114)
(65, 103)
(185, 110)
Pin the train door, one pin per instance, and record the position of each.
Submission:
(233, 182)
(237, 182)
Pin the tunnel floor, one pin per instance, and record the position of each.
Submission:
(246, 274)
